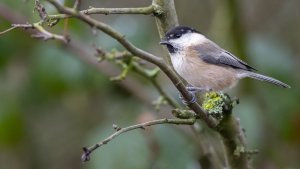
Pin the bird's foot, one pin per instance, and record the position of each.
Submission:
(192, 91)
(187, 102)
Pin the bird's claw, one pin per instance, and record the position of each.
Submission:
(186, 102)
(192, 91)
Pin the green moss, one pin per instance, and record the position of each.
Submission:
(213, 103)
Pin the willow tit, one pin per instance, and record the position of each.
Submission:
(205, 65)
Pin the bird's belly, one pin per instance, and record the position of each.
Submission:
(207, 76)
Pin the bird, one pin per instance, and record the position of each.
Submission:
(204, 64)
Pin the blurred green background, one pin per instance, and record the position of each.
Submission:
(56, 99)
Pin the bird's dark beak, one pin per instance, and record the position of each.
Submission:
(164, 42)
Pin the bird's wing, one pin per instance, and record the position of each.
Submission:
(222, 57)
(239, 60)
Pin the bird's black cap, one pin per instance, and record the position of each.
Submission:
(177, 31)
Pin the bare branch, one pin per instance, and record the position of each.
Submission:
(87, 151)
(142, 10)
(14, 26)
(45, 35)
(25, 26)
(107, 11)
(7, 30)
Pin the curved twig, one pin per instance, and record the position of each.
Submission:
(87, 151)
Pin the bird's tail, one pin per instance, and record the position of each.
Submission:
(267, 79)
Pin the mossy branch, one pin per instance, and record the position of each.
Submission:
(220, 105)
(234, 140)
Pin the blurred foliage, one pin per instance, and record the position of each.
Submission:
(52, 103)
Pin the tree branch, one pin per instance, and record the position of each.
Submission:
(167, 18)
(142, 54)
(141, 10)
(110, 31)
(87, 151)
(233, 138)
(41, 32)
(85, 54)
(234, 141)
(107, 11)
(45, 35)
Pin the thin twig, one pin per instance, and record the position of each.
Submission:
(7, 30)
(77, 4)
(46, 35)
(107, 11)
(14, 26)
(87, 151)
(25, 26)
(142, 10)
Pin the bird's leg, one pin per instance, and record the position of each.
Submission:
(192, 91)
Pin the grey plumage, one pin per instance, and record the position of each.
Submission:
(266, 79)
(208, 54)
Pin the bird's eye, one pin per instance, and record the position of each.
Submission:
(177, 35)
